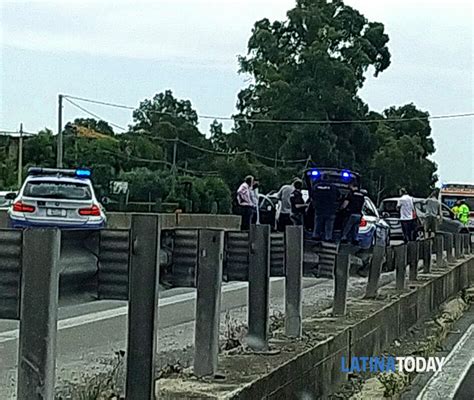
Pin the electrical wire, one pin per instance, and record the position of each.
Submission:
(94, 115)
(282, 121)
(164, 162)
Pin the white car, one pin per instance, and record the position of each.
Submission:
(60, 198)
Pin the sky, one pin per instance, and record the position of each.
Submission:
(124, 51)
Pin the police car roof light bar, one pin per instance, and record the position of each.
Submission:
(80, 173)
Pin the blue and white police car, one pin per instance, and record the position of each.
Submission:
(62, 198)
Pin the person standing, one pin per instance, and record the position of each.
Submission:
(353, 204)
(283, 197)
(254, 196)
(456, 207)
(244, 200)
(433, 214)
(324, 197)
(407, 215)
(464, 212)
(298, 205)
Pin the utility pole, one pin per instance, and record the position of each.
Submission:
(173, 167)
(20, 157)
(59, 160)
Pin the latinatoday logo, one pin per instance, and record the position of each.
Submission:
(392, 364)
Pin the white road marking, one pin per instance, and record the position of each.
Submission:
(79, 320)
(445, 382)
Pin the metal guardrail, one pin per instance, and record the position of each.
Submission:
(185, 256)
(114, 261)
(236, 261)
(129, 269)
(10, 272)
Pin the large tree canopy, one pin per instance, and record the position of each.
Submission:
(310, 67)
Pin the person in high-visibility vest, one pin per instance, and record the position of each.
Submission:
(464, 212)
(455, 209)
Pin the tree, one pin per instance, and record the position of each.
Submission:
(404, 147)
(310, 67)
(167, 119)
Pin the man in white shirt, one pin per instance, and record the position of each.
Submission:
(244, 200)
(283, 196)
(407, 215)
(254, 196)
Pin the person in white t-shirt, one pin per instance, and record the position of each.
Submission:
(407, 215)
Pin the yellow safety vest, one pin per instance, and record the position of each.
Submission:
(455, 210)
(464, 214)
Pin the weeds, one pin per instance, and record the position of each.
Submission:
(234, 333)
(277, 321)
(101, 386)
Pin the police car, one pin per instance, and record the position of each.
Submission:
(372, 227)
(62, 198)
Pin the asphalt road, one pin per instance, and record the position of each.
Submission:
(89, 333)
(92, 330)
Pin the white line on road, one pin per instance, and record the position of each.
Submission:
(73, 322)
(445, 382)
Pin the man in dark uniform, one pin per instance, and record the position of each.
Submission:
(324, 197)
(353, 204)
(298, 206)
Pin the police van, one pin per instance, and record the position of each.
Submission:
(450, 193)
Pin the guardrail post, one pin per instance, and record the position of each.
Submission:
(375, 271)
(341, 276)
(401, 266)
(143, 306)
(294, 276)
(208, 303)
(467, 244)
(390, 259)
(39, 314)
(259, 282)
(427, 253)
(457, 246)
(448, 245)
(439, 248)
(413, 253)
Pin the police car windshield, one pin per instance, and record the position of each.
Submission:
(57, 190)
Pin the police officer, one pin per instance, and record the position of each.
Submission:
(298, 206)
(325, 198)
(353, 204)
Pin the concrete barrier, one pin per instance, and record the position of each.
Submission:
(212, 221)
(312, 368)
(3, 219)
(118, 220)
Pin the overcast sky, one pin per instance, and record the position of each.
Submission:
(127, 50)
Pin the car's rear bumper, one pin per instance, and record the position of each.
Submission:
(22, 224)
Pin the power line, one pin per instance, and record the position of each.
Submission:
(93, 114)
(283, 121)
(163, 162)
(202, 149)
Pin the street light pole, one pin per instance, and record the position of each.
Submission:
(59, 160)
(20, 157)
